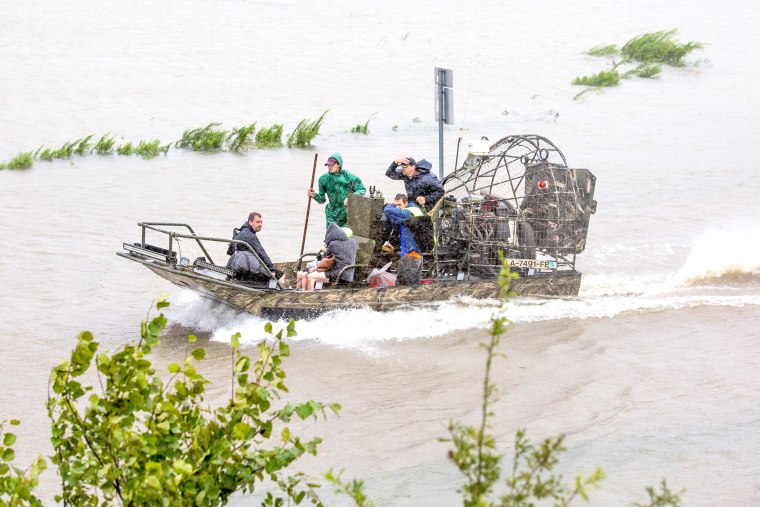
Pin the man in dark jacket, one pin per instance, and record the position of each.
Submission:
(248, 234)
(422, 186)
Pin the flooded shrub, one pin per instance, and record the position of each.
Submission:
(80, 146)
(23, 160)
(603, 78)
(658, 47)
(361, 128)
(648, 52)
(104, 145)
(208, 138)
(242, 139)
(269, 137)
(150, 149)
(125, 149)
(305, 132)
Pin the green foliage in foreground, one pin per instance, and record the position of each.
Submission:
(16, 485)
(141, 438)
(125, 149)
(144, 440)
(23, 160)
(305, 131)
(648, 52)
(531, 477)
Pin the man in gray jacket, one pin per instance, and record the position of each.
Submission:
(248, 234)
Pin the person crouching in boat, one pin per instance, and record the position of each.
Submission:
(338, 245)
(409, 267)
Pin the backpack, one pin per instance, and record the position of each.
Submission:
(231, 246)
(422, 228)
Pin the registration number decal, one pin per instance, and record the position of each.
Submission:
(531, 263)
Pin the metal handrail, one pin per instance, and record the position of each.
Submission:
(198, 239)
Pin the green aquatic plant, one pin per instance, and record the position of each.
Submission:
(139, 437)
(658, 47)
(361, 128)
(208, 138)
(46, 154)
(125, 149)
(150, 149)
(305, 131)
(648, 52)
(644, 70)
(604, 78)
(104, 145)
(23, 160)
(603, 50)
(242, 139)
(269, 137)
(81, 146)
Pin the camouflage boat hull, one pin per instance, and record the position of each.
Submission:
(286, 303)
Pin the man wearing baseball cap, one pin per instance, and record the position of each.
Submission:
(335, 185)
(422, 186)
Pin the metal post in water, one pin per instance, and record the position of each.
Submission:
(444, 107)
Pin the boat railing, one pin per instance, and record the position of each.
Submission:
(174, 236)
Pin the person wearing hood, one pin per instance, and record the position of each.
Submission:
(422, 186)
(335, 185)
(338, 243)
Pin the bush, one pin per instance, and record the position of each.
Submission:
(305, 131)
(143, 441)
(16, 485)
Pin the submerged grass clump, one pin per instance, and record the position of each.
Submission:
(23, 160)
(242, 139)
(603, 78)
(305, 131)
(603, 50)
(150, 149)
(269, 137)
(125, 149)
(361, 128)
(647, 53)
(658, 47)
(104, 145)
(208, 138)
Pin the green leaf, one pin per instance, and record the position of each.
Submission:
(191, 338)
(174, 368)
(182, 467)
(9, 439)
(199, 354)
(235, 341)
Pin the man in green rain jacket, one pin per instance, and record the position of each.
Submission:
(336, 184)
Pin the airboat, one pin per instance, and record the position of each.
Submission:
(515, 199)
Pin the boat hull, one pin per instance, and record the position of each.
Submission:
(284, 303)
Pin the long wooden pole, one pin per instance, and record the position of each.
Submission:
(308, 205)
